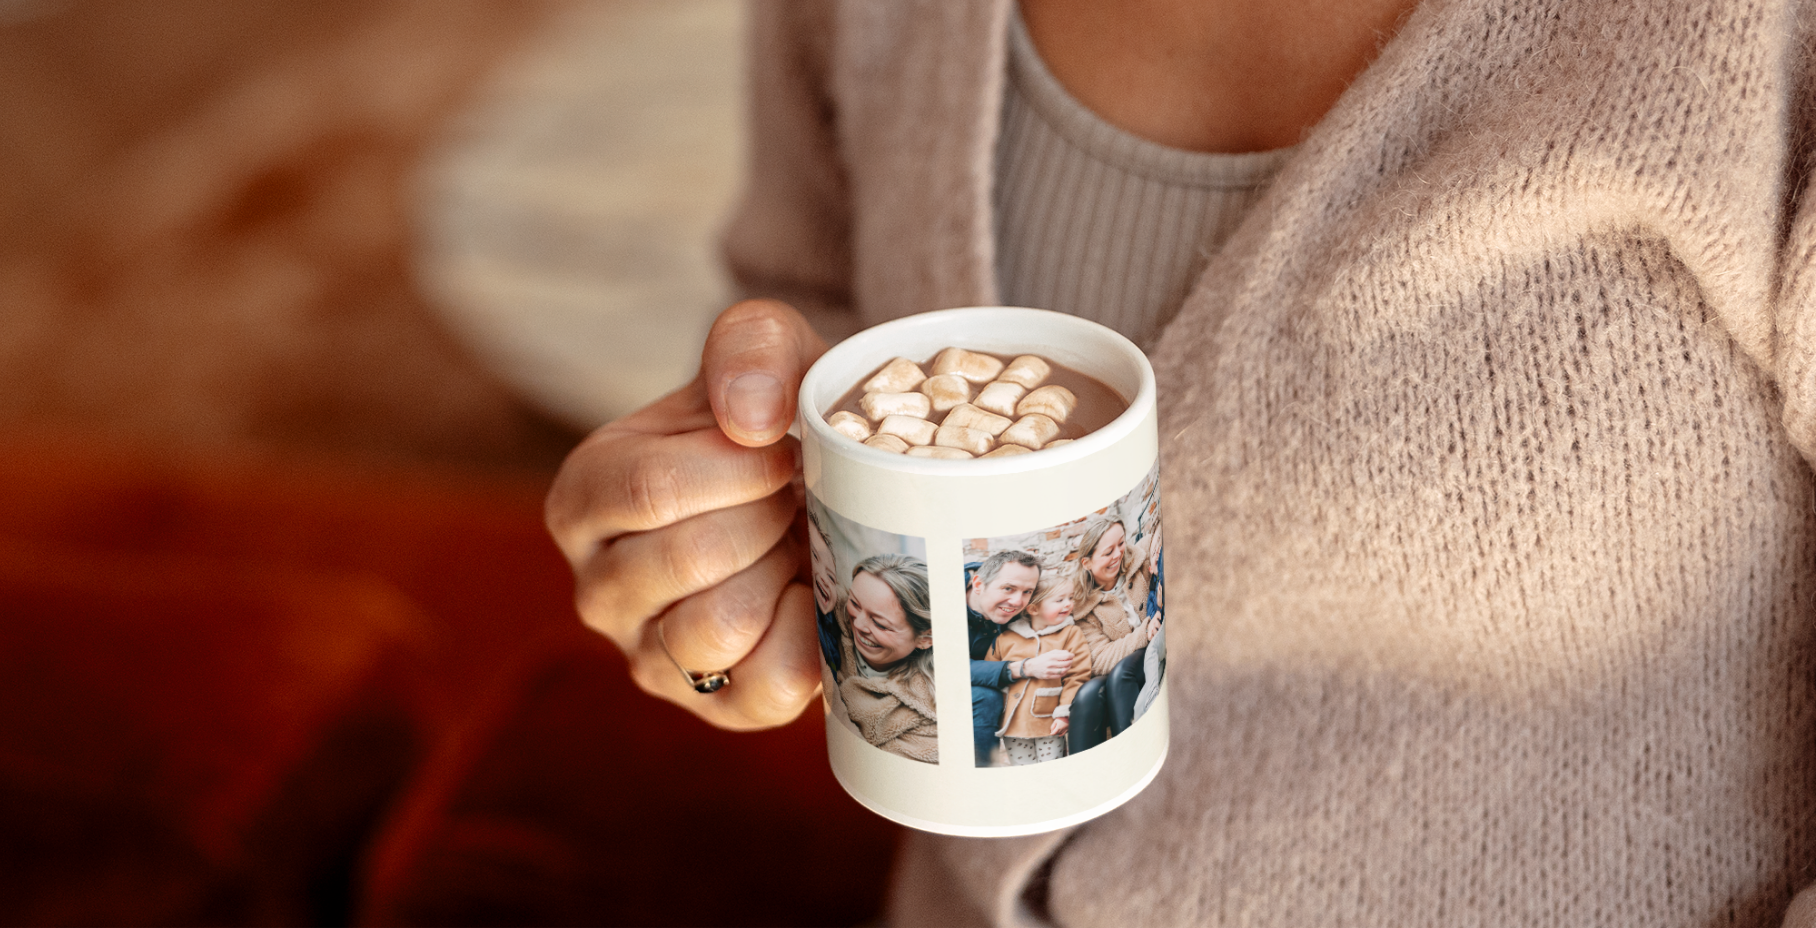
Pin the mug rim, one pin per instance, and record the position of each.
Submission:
(810, 417)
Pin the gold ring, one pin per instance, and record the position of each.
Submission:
(704, 681)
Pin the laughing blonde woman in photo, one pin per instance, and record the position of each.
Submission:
(887, 653)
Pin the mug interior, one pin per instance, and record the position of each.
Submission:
(1084, 346)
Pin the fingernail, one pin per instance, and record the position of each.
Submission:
(754, 401)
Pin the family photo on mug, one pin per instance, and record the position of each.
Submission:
(875, 621)
(1067, 631)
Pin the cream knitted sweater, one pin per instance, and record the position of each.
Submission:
(1485, 445)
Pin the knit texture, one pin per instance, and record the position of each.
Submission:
(1492, 548)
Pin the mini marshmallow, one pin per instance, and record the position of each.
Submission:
(849, 424)
(1027, 370)
(946, 391)
(1006, 451)
(971, 417)
(936, 451)
(889, 443)
(977, 368)
(1053, 401)
(1031, 431)
(898, 376)
(879, 406)
(1000, 397)
(975, 441)
(910, 429)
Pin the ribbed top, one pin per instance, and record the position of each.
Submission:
(1099, 223)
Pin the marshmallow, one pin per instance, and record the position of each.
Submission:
(1056, 443)
(977, 368)
(1027, 370)
(898, 376)
(889, 443)
(1031, 431)
(910, 429)
(946, 391)
(1053, 401)
(1000, 397)
(975, 441)
(937, 451)
(971, 417)
(849, 424)
(1005, 451)
(878, 406)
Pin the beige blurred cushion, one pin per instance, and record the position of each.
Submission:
(567, 224)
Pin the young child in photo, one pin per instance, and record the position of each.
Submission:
(1037, 712)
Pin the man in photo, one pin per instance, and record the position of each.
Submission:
(996, 592)
(826, 592)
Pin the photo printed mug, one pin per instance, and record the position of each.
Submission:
(992, 627)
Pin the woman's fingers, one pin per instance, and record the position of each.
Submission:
(623, 585)
(784, 667)
(617, 482)
(755, 357)
(681, 508)
(769, 687)
(718, 627)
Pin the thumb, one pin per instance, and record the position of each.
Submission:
(755, 357)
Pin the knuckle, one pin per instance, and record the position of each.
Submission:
(756, 318)
(562, 513)
(753, 326)
(601, 602)
(581, 494)
(597, 612)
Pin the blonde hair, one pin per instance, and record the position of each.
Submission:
(1052, 583)
(1087, 544)
(906, 577)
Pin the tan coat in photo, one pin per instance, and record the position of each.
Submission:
(1030, 705)
(895, 711)
(1109, 629)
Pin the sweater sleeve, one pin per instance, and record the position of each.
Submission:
(991, 672)
(1105, 653)
(789, 237)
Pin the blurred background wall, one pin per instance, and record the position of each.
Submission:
(301, 305)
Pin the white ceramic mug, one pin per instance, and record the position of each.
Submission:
(946, 513)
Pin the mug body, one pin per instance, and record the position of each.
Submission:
(941, 739)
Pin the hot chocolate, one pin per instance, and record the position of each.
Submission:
(966, 404)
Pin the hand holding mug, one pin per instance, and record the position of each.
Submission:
(676, 522)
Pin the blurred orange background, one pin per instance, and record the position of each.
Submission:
(281, 637)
